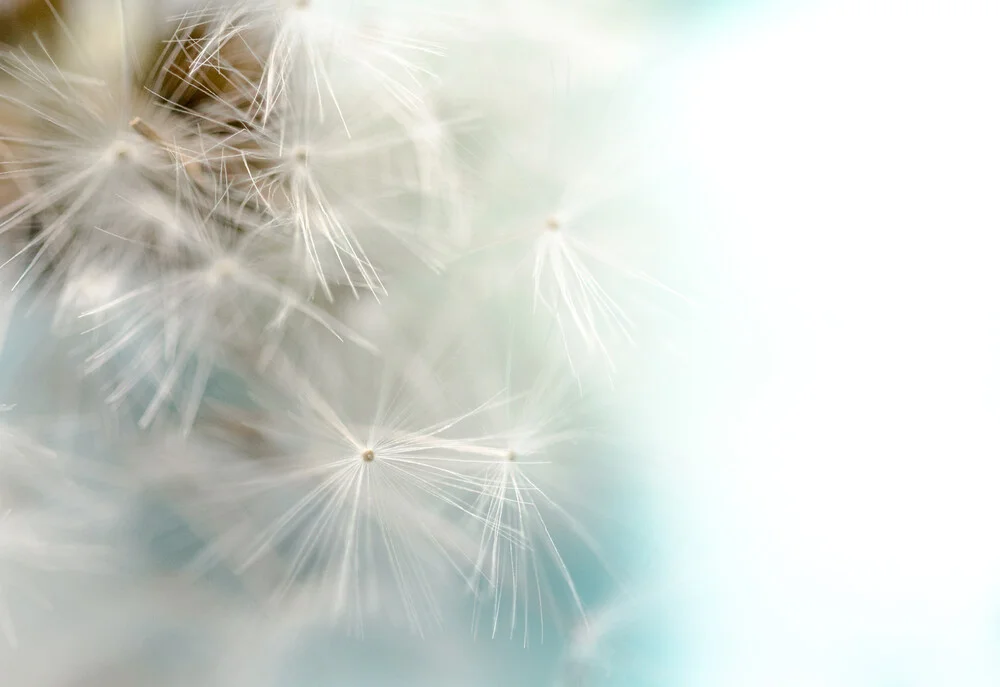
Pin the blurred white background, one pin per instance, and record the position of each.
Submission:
(833, 468)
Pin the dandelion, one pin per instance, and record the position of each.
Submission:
(326, 48)
(345, 204)
(180, 319)
(517, 543)
(517, 461)
(279, 194)
(92, 154)
(356, 497)
(556, 235)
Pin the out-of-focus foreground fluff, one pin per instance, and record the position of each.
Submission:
(324, 314)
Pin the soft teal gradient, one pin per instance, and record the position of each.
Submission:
(829, 459)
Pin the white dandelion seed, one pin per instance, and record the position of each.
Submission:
(346, 205)
(555, 235)
(175, 323)
(327, 48)
(524, 479)
(88, 147)
(358, 516)
(518, 548)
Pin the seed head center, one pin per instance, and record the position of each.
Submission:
(368, 455)
(511, 456)
(222, 269)
(553, 222)
(121, 152)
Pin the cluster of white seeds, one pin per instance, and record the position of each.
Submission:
(341, 278)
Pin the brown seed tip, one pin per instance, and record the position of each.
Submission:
(552, 223)
(511, 455)
(147, 132)
(368, 456)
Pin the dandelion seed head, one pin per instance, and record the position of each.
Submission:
(301, 155)
(188, 221)
(121, 151)
(222, 269)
